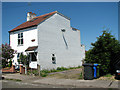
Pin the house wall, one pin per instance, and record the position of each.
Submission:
(67, 49)
(28, 35)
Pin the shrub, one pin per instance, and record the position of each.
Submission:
(103, 52)
(43, 74)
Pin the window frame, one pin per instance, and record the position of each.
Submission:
(20, 39)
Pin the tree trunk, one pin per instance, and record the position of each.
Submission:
(26, 69)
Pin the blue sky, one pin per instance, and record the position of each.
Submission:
(89, 17)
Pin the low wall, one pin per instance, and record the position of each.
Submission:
(9, 70)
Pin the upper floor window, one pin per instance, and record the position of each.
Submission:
(20, 39)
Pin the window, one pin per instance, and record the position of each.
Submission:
(53, 59)
(63, 30)
(33, 56)
(20, 39)
(18, 57)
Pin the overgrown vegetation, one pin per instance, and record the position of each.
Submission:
(103, 52)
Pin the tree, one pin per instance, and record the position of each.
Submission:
(103, 52)
(24, 60)
(7, 53)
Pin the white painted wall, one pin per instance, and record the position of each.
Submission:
(28, 35)
(50, 41)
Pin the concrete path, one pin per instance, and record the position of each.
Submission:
(64, 82)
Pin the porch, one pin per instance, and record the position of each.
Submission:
(32, 53)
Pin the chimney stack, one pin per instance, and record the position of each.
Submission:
(30, 16)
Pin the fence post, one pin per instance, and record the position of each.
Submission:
(21, 69)
(13, 68)
(38, 67)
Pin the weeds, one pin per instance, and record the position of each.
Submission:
(81, 76)
(108, 75)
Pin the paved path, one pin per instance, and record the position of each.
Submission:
(64, 82)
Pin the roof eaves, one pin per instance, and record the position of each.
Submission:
(22, 28)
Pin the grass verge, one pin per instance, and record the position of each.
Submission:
(13, 79)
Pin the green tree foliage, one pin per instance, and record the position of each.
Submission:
(23, 59)
(7, 53)
(103, 52)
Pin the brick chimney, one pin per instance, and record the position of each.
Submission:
(30, 16)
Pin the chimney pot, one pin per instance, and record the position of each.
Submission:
(30, 16)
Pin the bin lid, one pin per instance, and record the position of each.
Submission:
(87, 64)
(95, 64)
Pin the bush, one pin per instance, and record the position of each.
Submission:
(53, 70)
(43, 74)
(103, 52)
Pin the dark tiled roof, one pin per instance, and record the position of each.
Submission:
(34, 22)
(31, 48)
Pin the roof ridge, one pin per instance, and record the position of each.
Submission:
(46, 14)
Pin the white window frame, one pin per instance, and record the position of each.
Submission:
(20, 38)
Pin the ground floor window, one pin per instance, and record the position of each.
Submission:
(33, 56)
(18, 57)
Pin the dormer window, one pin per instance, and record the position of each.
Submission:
(20, 38)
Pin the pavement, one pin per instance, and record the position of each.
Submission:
(64, 82)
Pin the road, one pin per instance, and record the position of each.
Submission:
(20, 84)
(52, 82)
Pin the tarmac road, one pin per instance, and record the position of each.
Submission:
(19, 84)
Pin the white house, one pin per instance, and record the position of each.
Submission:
(49, 40)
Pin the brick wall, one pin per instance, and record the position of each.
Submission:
(11, 69)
